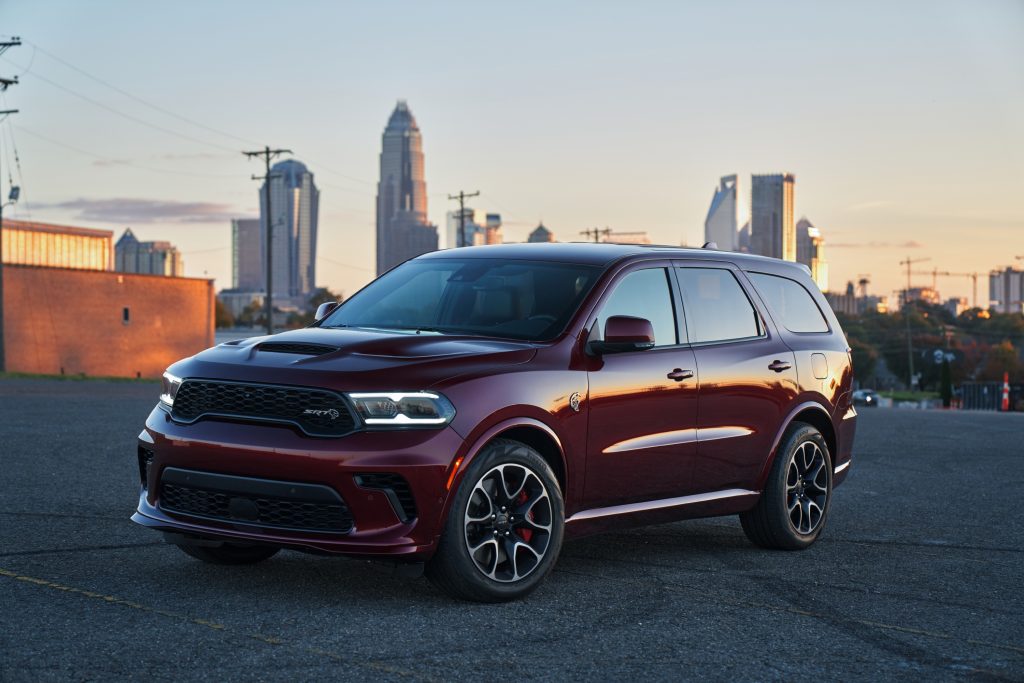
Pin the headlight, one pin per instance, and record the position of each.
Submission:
(403, 408)
(170, 389)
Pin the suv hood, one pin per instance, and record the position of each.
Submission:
(353, 359)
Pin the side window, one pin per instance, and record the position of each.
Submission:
(716, 307)
(642, 294)
(790, 303)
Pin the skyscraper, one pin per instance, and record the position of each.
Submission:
(720, 226)
(403, 230)
(295, 202)
(247, 255)
(541, 234)
(147, 258)
(772, 232)
(810, 251)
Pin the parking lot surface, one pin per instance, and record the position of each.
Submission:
(919, 575)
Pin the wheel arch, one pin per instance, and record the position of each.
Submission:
(532, 432)
(810, 413)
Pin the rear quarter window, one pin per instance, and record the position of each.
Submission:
(790, 303)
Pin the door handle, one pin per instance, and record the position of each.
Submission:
(779, 366)
(679, 375)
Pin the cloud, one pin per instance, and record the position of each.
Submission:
(874, 204)
(104, 163)
(128, 211)
(909, 244)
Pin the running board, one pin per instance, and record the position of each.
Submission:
(651, 505)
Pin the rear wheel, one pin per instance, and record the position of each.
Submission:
(230, 553)
(504, 529)
(794, 505)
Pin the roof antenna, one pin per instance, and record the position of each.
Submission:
(710, 245)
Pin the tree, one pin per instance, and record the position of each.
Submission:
(865, 358)
(1002, 358)
(321, 296)
(222, 316)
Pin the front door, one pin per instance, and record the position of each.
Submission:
(643, 404)
(748, 377)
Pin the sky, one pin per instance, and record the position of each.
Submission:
(902, 122)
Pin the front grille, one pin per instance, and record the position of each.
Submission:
(145, 460)
(402, 500)
(297, 348)
(316, 412)
(256, 510)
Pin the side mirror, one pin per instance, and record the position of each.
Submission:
(323, 309)
(624, 333)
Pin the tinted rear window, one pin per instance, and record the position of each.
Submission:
(790, 303)
(716, 307)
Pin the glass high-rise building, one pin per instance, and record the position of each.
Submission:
(247, 255)
(147, 258)
(810, 251)
(721, 226)
(772, 231)
(403, 230)
(295, 202)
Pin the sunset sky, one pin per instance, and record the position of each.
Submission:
(903, 122)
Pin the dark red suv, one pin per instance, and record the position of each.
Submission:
(471, 408)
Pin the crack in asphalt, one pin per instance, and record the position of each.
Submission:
(80, 549)
(375, 666)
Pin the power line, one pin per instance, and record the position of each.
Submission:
(462, 197)
(597, 233)
(136, 98)
(267, 155)
(118, 162)
(123, 115)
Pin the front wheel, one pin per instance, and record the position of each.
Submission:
(794, 505)
(504, 528)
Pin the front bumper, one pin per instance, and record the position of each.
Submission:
(423, 458)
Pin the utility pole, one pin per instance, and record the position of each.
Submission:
(462, 196)
(908, 262)
(4, 84)
(267, 155)
(597, 233)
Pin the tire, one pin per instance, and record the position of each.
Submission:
(530, 522)
(230, 553)
(794, 506)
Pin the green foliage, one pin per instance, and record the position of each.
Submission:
(320, 296)
(222, 316)
(986, 344)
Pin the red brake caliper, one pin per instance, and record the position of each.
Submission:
(525, 534)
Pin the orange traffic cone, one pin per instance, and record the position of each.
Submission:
(1006, 392)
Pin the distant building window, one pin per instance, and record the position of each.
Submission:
(126, 315)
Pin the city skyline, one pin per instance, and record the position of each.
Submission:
(403, 230)
(886, 168)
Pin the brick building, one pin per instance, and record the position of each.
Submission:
(102, 323)
(66, 312)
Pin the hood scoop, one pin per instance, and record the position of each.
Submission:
(298, 348)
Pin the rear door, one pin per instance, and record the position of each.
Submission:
(643, 404)
(747, 374)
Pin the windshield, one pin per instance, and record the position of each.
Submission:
(528, 300)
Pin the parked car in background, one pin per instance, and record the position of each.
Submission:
(865, 397)
(471, 408)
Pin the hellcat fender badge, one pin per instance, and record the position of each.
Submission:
(574, 401)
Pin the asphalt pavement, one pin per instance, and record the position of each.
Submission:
(918, 576)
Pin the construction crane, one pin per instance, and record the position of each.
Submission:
(863, 280)
(908, 262)
(936, 274)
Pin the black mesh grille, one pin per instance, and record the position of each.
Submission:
(258, 510)
(145, 460)
(297, 347)
(317, 412)
(387, 481)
